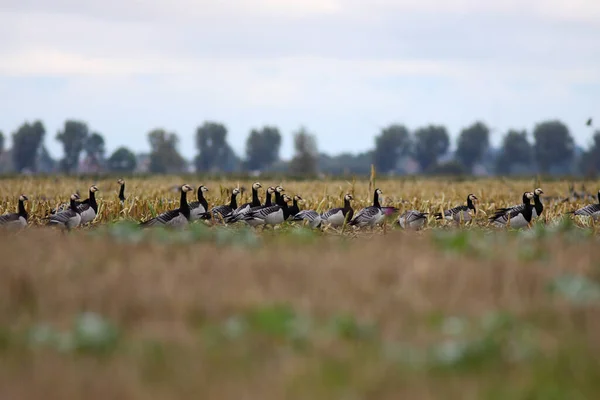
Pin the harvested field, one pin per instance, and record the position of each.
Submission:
(110, 311)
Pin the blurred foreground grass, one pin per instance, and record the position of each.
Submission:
(220, 313)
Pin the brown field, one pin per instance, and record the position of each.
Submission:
(226, 313)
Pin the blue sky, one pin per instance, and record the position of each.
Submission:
(341, 68)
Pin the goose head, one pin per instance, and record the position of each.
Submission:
(538, 192)
(75, 196)
(270, 190)
(235, 191)
(94, 188)
(279, 189)
(378, 191)
(348, 197)
(256, 185)
(203, 188)
(472, 197)
(186, 188)
(297, 197)
(23, 198)
(120, 181)
(286, 198)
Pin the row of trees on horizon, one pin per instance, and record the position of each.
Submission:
(396, 150)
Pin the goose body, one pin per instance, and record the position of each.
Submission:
(336, 216)
(313, 217)
(412, 219)
(369, 216)
(18, 219)
(222, 212)
(198, 209)
(251, 217)
(538, 206)
(272, 215)
(516, 217)
(592, 210)
(88, 209)
(177, 218)
(461, 212)
(237, 214)
(70, 218)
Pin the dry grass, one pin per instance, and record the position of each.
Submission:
(225, 314)
(148, 196)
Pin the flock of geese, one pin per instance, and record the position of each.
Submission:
(276, 211)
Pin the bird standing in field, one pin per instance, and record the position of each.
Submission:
(294, 209)
(177, 218)
(223, 211)
(121, 182)
(369, 216)
(538, 207)
(244, 208)
(336, 217)
(88, 209)
(592, 210)
(18, 219)
(460, 213)
(412, 219)
(268, 203)
(69, 218)
(198, 209)
(515, 217)
(272, 215)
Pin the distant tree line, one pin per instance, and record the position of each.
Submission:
(550, 149)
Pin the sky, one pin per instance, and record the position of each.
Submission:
(343, 69)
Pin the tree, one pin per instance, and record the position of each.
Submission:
(26, 142)
(431, 142)
(213, 150)
(262, 147)
(122, 160)
(393, 143)
(306, 156)
(515, 150)
(73, 138)
(1, 142)
(590, 160)
(164, 157)
(94, 147)
(472, 144)
(554, 145)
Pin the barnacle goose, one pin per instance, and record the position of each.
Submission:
(412, 219)
(272, 215)
(278, 196)
(89, 207)
(198, 209)
(18, 219)
(592, 210)
(69, 218)
(268, 203)
(369, 216)
(221, 212)
(461, 212)
(516, 217)
(178, 217)
(294, 209)
(538, 207)
(336, 216)
(244, 208)
(313, 217)
(121, 190)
